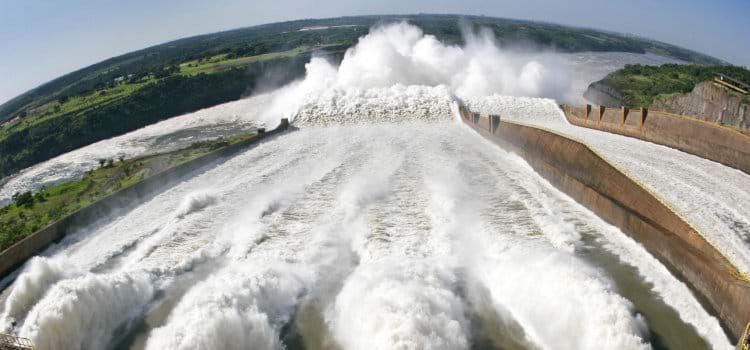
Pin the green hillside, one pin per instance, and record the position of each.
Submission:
(127, 92)
(639, 85)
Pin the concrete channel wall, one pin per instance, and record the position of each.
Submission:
(580, 172)
(708, 140)
(17, 254)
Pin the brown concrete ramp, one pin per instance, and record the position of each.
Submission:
(578, 170)
(704, 139)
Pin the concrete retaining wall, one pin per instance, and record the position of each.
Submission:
(17, 254)
(704, 139)
(588, 178)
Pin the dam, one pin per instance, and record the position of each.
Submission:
(384, 225)
(412, 203)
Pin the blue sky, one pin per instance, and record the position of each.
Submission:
(43, 39)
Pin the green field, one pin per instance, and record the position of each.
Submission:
(74, 105)
(32, 211)
(222, 62)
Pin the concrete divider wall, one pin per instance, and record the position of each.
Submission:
(718, 143)
(17, 254)
(577, 170)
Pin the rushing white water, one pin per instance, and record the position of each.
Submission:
(372, 225)
(707, 194)
(175, 133)
(481, 60)
(41, 274)
(84, 312)
(382, 223)
(239, 308)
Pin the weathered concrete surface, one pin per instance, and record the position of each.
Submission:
(710, 102)
(580, 172)
(708, 140)
(601, 94)
(17, 254)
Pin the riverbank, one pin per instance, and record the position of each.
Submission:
(582, 173)
(116, 185)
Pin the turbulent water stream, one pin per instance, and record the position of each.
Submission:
(412, 235)
(381, 222)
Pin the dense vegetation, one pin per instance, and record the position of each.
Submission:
(30, 212)
(130, 91)
(639, 85)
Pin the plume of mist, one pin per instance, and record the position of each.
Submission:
(82, 312)
(39, 276)
(401, 54)
(238, 308)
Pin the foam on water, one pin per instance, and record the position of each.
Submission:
(196, 201)
(240, 307)
(335, 228)
(394, 104)
(38, 277)
(514, 273)
(705, 193)
(536, 283)
(388, 56)
(174, 133)
(381, 221)
(83, 312)
(400, 304)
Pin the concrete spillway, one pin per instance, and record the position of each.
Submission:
(707, 194)
(418, 234)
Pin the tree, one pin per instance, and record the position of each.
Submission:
(25, 199)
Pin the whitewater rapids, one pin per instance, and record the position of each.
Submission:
(708, 195)
(382, 222)
(410, 235)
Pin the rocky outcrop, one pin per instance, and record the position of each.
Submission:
(711, 102)
(601, 94)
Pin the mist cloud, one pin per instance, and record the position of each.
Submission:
(402, 54)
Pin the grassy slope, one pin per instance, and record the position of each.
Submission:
(75, 105)
(52, 204)
(640, 85)
(221, 62)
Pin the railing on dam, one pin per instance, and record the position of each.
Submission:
(10, 342)
(579, 171)
(712, 141)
